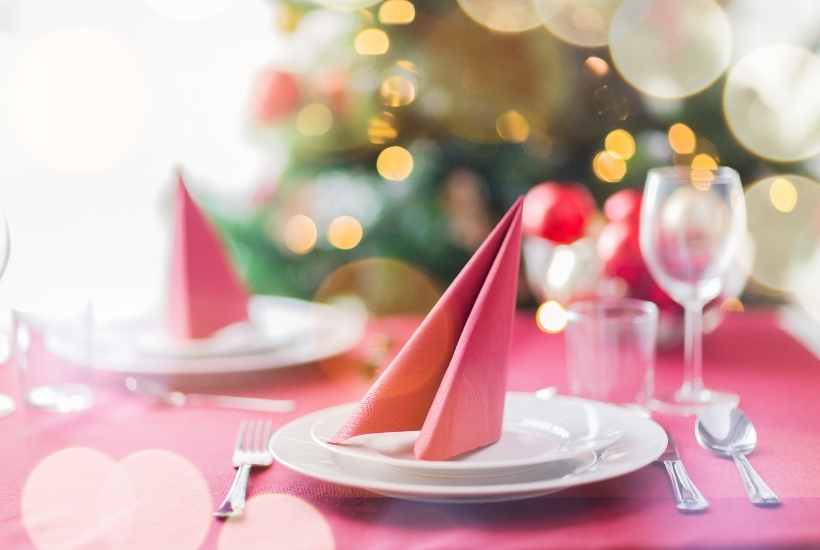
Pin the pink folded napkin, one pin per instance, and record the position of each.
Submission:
(205, 292)
(449, 379)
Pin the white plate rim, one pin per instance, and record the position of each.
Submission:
(511, 490)
(452, 466)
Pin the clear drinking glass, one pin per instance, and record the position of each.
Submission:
(610, 350)
(692, 223)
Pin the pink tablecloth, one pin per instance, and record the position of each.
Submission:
(778, 380)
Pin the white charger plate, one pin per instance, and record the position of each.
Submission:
(642, 442)
(534, 432)
(321, 331)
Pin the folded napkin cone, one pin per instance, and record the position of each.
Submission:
(449, 380)
(205, 292)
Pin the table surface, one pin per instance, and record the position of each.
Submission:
(777, 378)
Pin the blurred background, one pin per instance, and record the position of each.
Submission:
(371, 145)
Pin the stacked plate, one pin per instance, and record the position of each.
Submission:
(545, 446)
(279, 332)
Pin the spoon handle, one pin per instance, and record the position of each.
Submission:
(759, 493)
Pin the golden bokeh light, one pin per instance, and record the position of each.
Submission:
(507, 16)
(371, 42)
(382, 128)
(596, 66)
(513, 127)
(397, 12)
(347, 5)
(702, 161)
(580, 22)
(299, 234)
(551, 317)
(608, 167)
(733, 305)
(394, 163)
(670, 49)
(620, 143)
(770, 102)
(345, 232)
(682, 139)
(314, 119)
(783, 195)
(397, 90)
(782, 214)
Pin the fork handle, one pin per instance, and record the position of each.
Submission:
(687, 496)
(234, 502)
(759, 493)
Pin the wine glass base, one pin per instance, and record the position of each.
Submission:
(61, 398)
(686, 402)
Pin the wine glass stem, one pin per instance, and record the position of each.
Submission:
(693, 351)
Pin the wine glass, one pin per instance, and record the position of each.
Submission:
(6, 402)
(692, 223)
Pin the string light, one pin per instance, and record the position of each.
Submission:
(397, 91)
(382, 128)
(397, 12)
(394, 163)
(371, 42)
(608, 167)
(682, 139)
(620, 143)
(783, 195)
(345, 232)
(513, 127)
(596, 66)
(299, 235)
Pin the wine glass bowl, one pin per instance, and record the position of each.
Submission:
(692, 225)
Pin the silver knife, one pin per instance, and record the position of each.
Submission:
(687, 496)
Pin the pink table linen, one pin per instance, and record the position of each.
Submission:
(776, 377)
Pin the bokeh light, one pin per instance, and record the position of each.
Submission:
(48, 503)
(383, 285)
(345, 232)
(579, 22)
(371, 42)
(78, 100)
(620, 143)
(506, 16)
(512, 126)
(596, 66)
(608, 167)
(784, 224)
(314, 119)
(732, 305)
(299, 234)
(702, 161)
(397, 90)
(770, 102)
(394, 163)
(670, 49)
(155, 499)
(682, 139)
(382, 128)
(397, 12)
(551, 317)
(783, 195)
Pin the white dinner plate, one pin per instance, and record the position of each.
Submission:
(288, 332)
(642, 442)
(534, 432)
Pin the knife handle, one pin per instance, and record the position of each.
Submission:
(687, 496)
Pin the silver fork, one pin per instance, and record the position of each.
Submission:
(251, 449)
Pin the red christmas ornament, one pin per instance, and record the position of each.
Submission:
(557, 212)
(620, 253)
(276, 96)
(625, 205)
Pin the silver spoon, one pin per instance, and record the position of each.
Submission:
(728, 432)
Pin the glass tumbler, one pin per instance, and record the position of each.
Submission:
(610, 350)
(53, 350)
